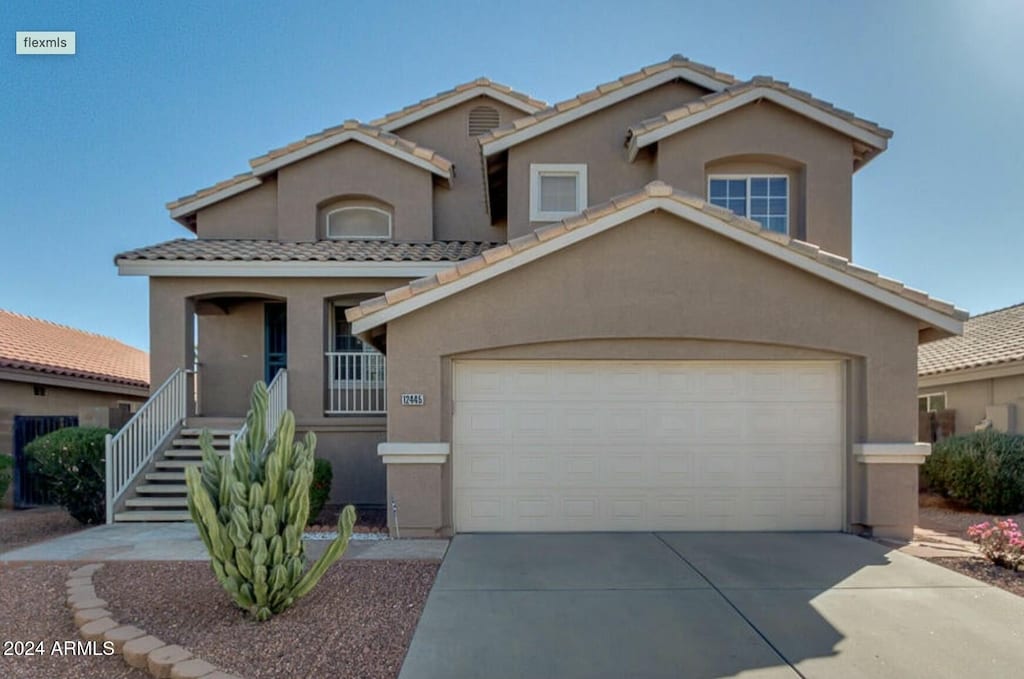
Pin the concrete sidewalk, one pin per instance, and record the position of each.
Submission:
(180, 542)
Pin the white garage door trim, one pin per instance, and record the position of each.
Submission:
(596, 445)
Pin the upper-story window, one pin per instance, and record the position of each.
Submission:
(763, 198)
(557, 191)
(357, 219)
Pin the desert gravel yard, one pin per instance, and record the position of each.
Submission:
(32, 608)
(24, 527)
(356, 623)
(944, 516)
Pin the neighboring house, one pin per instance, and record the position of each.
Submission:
(48, 370)
(631, 310)
(979, 376)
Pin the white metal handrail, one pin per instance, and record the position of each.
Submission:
(277, 403)
(130, 449)
(356, 383)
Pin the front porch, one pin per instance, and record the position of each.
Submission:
(213, 346)
(242, 339)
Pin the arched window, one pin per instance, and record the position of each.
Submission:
(354, 220)
(483, 119)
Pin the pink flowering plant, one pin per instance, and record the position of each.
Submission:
(1000, 541)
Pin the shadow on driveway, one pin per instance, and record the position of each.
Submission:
(706, 605)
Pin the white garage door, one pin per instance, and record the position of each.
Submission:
(647, 445)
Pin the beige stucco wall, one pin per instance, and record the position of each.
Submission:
(18, 398)
(820, 159)
(358, 170)
(681, 290)
(969, 399)
(460, 213)
(597, 140)
(252, 214)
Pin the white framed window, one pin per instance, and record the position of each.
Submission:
(557, 191)
(931, 403)
(763, 198)
(358, 222)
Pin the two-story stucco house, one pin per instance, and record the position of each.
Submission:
(631, 310)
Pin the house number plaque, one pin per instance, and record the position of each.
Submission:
(413, 399)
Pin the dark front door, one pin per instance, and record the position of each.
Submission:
(275, 339)
(29, 486)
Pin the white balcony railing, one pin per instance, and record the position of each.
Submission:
(130, 449)
(277, 403)
(356, 383)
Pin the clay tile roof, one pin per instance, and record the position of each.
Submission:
(351, 127)
(992, 338)
(440, 97)
(32, 344)
(191, 249)
(357, 128)
(676, 60)
(717, 98)
(202, 193)
(660, 190)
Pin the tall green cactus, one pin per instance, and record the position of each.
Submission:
(251, 510)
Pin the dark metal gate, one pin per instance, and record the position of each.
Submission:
(29, 488)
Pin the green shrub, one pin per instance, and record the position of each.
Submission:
(984, 470)
(250, 512)
(6, 472)
(71, 460)
(320, 487)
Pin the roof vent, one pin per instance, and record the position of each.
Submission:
(483, 119)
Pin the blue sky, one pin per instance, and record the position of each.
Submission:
(165, 98)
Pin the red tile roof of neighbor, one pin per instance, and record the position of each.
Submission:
(28, 343)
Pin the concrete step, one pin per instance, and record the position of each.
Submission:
(171, 465)
(187, 453)
(166, 476)
(191, 432)
(166, 502)
(194, 443)
(162, 488)
(215, 422)
(155, 515)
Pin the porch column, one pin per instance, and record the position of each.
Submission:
(306, 355)
(171, 336)
(414, 502)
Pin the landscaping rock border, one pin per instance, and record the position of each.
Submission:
(137, 648)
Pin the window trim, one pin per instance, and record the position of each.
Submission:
(928, 401)
(386, 213)
(538, 170)
(748, 177)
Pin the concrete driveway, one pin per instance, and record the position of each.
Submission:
(690, 605)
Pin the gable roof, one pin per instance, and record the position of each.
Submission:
(655, 196)
(350, 130)
(32, 344)
(481, 87)
(354, 130)
(761, 87)
(989, 339)
(603, 96)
